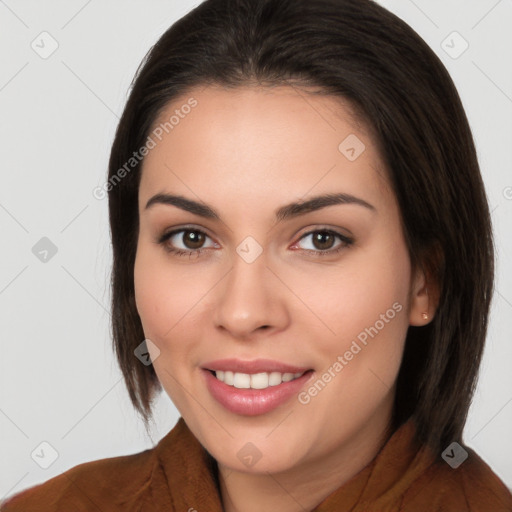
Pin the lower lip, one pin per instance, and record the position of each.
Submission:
(252, 402)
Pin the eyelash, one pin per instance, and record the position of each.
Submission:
(346, 242)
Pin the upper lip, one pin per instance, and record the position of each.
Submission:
(253, 366)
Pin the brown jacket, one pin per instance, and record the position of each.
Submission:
(177, 475)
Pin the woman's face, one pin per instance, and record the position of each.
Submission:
(258, 288)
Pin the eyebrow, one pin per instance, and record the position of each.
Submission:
(286, 212)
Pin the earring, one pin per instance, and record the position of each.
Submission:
(425, 314)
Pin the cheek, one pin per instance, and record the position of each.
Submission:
(170, 301)
(151, 298)
(352, 297)
(165, 306)
(163, 294)
(366, 311)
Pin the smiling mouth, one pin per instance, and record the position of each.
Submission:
(261, 380)
(254, 387)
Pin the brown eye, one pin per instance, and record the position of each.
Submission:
(186, 242)
(193, 239)
(323, 240)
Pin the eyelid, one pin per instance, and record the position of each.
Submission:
(187, 227)
(313, 228)
(166, 235)
(346, 240)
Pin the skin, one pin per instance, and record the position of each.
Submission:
(246, 152)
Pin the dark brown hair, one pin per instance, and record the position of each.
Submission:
(358, 51)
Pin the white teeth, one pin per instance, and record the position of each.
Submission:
(255, 380)
(274, 379)
(242, 381)
(259, 381)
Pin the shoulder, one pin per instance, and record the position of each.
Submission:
(89, 486)
(470, 487)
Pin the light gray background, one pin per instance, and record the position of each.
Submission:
(59, 381)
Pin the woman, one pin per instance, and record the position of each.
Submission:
(302, 239)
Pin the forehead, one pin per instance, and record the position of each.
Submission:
(261, 145)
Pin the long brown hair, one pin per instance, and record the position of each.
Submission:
(357, 50)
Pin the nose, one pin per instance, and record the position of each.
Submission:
(250, 300)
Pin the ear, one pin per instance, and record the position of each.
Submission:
(425, 291)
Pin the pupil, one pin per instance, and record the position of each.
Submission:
(323, 240)
(194, 240)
